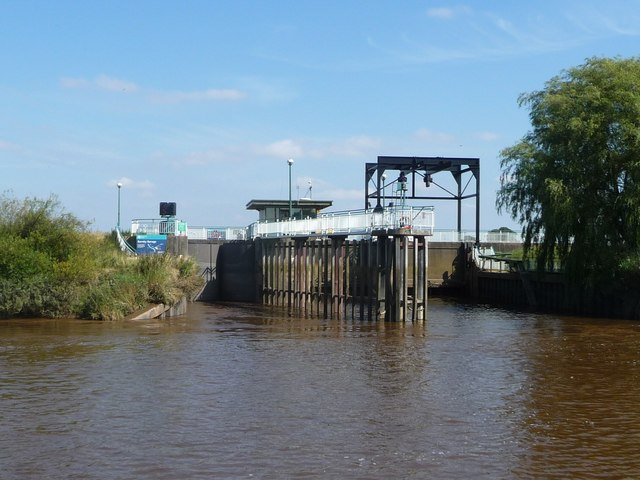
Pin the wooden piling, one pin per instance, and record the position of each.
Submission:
(380, 278)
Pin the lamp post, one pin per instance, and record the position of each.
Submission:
(383, 178)
(119, 187)
(290, 162)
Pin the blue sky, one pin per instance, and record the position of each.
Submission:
(203, 102)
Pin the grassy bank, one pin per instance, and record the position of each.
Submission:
(52, 266)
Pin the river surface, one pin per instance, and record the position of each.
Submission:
(250, 392)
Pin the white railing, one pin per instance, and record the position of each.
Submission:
(163, 226)
(470, 236)
(124, 246)
(418, 220)
(217, 233)
(158, 226)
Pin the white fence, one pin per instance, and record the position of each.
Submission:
(470, 236)
(417, 220)
(217, 233)
(161, 226)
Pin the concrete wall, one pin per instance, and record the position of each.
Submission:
(228, 267)
(205, 252)
(177, 245)
(237, 269)
(447, 264)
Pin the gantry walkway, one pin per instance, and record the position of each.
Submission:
(405, 220)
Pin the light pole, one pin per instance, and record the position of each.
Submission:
(383, 178)
(119, 187)
(290, 162)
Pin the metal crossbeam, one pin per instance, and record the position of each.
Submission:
(424, 168)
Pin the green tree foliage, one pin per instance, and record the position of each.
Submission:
(573, 181)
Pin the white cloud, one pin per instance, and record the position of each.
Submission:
(446, 13)
(101, 82)
(281, 149)
(145, 186)
(198, 96)
(438, 138)
(113, 84)
(69, 82)
(440, 12)
(8, 146)
(487, 136)
(199, 158)
(357, 146)
(490, 36)
(353, 147)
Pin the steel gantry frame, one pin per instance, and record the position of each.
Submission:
(463, 170)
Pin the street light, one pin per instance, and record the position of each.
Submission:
(290, 162)
(119, 187)
(383, 178)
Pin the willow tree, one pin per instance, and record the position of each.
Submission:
(573, 181)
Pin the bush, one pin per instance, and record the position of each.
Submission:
(50, 266)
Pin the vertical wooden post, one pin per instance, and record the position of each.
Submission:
(390, 260)
(283, 272)
(419, 284)
(358, 279)
(336, 253)
(425, 277)
(313, 278)
(414, 278)
(265, 272)
(307, 276)
(405, 278)
(344, 277)
(289, 276)
(297, 274)
(274, 273)
(371, 279)
(326, 267)
(382, 276)
(398, 280)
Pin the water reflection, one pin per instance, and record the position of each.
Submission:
(243, 391)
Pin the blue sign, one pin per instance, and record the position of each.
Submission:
(150, 244)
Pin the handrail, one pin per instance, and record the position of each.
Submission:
(124, 246)
(343, 222)
(158, 226)
(418, 220)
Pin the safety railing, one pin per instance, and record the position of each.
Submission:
(470, 236)
(155, 226)
(122, 242)
(417, 220)
(217, 233)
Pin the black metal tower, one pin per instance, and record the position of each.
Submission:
(463, 170)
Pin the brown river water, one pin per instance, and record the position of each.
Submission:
(249, 392)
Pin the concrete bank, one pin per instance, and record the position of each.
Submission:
(153, 311)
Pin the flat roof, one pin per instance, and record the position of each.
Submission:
(303, 202)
